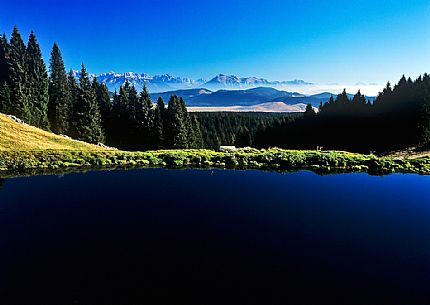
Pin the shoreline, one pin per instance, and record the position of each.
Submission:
(34, 162)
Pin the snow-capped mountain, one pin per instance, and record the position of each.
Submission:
(156, 83)
(166, 82)
(223, 81)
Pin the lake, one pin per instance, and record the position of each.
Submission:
(156, 236)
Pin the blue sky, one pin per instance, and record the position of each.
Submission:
(333, 41)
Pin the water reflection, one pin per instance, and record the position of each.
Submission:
(207, 236)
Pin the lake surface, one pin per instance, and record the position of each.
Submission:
(156, 236)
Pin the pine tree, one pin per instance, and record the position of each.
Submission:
(17, 76)
(342, 102)
(120, 118)
(197, 137)
(144, 118)
(133, 105)
(4, 69)
(60, 99)
(133, 124)
(73, 89)
(309, 112)
(37, 82)
(103, 101)
(121, 103)
(147, 109)
(176, 127)
(5, 102)
(86, 112)
(359, 105)
(159, 117)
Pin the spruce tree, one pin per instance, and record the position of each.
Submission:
(86, 112)
(133, 102)
(60, 99)
(5, 102)
(121, 103)
(73, 89)
(320, 107)
(196, 140)
(144, 118)
(103, 101)
(159, 117)
(359, 105)
(342, 102)
(133, 124)
(17, 76)
(176, 128)
(122, 115)
(37, 82)
(309, 112)
(4, 69)
(147, 109)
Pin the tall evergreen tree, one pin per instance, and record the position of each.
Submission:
(196, 140)
(103, 100)
(4, 68)
(309, 112)
(73, 89)
(5, 101)
(37, 82)
(159, 118)
(86, 112)
(144, 117)
(72, 86)
(60, 99)
(147, 109)
(176, 126)
(17, 76)
(359, 105)
(120, 118)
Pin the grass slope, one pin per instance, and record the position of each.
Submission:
(15, 136)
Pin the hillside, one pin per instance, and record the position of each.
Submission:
(248, 97)
(16, 136)
(264, 107)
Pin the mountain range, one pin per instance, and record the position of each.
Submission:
(166, 82)
(221, 91)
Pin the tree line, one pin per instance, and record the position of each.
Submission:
(238, 128)
(398, 118)
(84, 109)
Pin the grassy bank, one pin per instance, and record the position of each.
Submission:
(39, 161)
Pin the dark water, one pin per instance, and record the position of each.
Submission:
(156, 236)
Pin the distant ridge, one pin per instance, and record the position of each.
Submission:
(167, 82)
(221, 81)
(249, 97)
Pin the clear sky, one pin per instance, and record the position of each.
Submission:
(369, 41)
